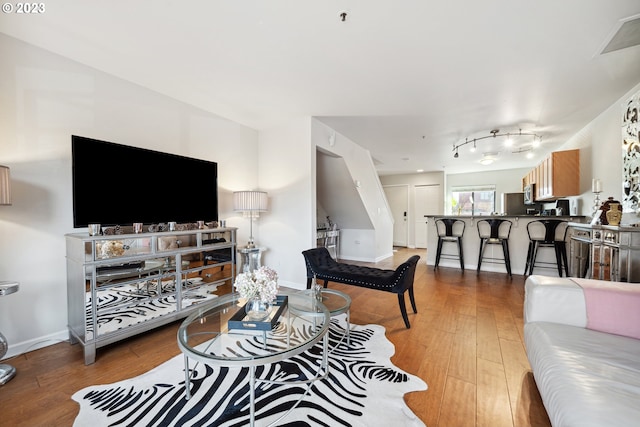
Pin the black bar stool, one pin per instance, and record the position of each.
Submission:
(450, 230)
(495, 231)
(547, 233)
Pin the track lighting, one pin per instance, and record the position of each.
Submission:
(537, 139)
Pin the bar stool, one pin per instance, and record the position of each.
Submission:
(495, 231)
(547, 233)
(6, 371)
(450, 230)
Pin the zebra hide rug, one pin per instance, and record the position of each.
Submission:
(363, 388)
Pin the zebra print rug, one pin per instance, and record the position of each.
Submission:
(363, 388)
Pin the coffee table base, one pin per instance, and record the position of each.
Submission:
(323, 372)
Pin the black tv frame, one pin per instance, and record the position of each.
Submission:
(116, 184)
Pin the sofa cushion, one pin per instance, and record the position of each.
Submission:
(554, 299)
(360, 275)
(585, 377)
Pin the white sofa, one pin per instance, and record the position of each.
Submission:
(586, 377)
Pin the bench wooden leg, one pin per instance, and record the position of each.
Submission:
(413, 300)
(403, 310)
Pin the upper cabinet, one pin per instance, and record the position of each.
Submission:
(556, 176)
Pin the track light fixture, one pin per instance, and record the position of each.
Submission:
(496, 133)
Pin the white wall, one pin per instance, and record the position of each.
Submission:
(287, 173)
(44, 99)
(600, 144)
(337, 194)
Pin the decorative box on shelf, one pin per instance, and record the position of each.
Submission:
(240, 320)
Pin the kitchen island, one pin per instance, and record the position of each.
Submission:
(518, 244)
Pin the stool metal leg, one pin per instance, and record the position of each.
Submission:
(556, 248)
(534, 255)
(460, 253)
(438, 252)
(6, 371)
(481, 252)
(563, 252)
(507, 258)
(529, 257)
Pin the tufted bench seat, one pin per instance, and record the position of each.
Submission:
(323, 267)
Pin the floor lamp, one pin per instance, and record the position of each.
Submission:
(250, 203)
(6, 371)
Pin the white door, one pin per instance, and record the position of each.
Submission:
(398, 199)
(427, 203)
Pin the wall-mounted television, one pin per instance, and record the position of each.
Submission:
(115, 184)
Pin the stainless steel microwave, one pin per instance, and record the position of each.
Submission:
(529, 194)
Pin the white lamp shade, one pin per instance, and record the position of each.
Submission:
(250, 201)
(5, 186)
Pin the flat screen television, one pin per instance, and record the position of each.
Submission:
(115, 184)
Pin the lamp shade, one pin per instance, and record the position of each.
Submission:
(5, 186)
(250, 201)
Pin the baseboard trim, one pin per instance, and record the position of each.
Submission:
(37, 343)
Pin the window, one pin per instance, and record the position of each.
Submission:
(478, 200)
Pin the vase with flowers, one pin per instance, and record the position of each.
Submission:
(259, 288)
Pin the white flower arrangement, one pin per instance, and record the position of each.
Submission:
(261, 283)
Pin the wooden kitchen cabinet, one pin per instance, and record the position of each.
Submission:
(556, 176)
(529, 179)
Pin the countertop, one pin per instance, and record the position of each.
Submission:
(507, 216)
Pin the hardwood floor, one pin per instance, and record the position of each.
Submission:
(466, 343)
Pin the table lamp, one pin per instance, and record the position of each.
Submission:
(250, 203)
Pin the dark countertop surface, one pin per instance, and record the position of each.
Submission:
(505, 215)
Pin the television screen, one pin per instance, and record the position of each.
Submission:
(116, 184)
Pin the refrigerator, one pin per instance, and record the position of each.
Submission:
(513, 204)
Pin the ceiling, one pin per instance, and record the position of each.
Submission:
(406, 80)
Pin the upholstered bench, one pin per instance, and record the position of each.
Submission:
(321, 266)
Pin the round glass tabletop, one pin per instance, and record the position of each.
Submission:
(208, 336)
(336, 302)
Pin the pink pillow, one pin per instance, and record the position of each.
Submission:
(612, 307)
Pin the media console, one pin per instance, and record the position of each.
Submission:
(156, 278)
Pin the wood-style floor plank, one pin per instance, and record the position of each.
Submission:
(458, 405)
(465, 342)
(463, 355)
(494, 406)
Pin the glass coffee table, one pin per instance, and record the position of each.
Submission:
(205, 337)
(337, 303)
